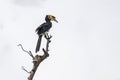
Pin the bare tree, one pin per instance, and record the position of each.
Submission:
(37, 59)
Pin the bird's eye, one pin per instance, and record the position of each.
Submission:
(50, 17)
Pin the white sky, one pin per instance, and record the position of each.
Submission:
(85, 43)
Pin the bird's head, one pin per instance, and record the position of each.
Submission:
(51, 18)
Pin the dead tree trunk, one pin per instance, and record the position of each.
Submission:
(37, 59)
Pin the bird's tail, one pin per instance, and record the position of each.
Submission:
(38, 43)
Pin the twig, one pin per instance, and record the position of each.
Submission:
(29, 52)
(25, 69)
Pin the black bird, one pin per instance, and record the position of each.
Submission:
(43, 29)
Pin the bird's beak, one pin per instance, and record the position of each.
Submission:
(55, 20)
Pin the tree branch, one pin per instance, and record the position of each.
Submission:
(29, 52)
(37, 59)
(25, 69)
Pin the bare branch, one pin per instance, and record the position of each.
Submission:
(37, 59)
(29, 52)
(23, 48)
(25, 69)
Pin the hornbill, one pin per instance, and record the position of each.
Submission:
(43, 29)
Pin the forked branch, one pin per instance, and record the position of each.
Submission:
(29, 52)
(37, 59)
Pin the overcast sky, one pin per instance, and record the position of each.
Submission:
(85, 43)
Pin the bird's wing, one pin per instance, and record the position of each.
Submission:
(42, 28)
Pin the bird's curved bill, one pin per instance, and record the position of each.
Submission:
(55, 20)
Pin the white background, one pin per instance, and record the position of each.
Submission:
(85, 43)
